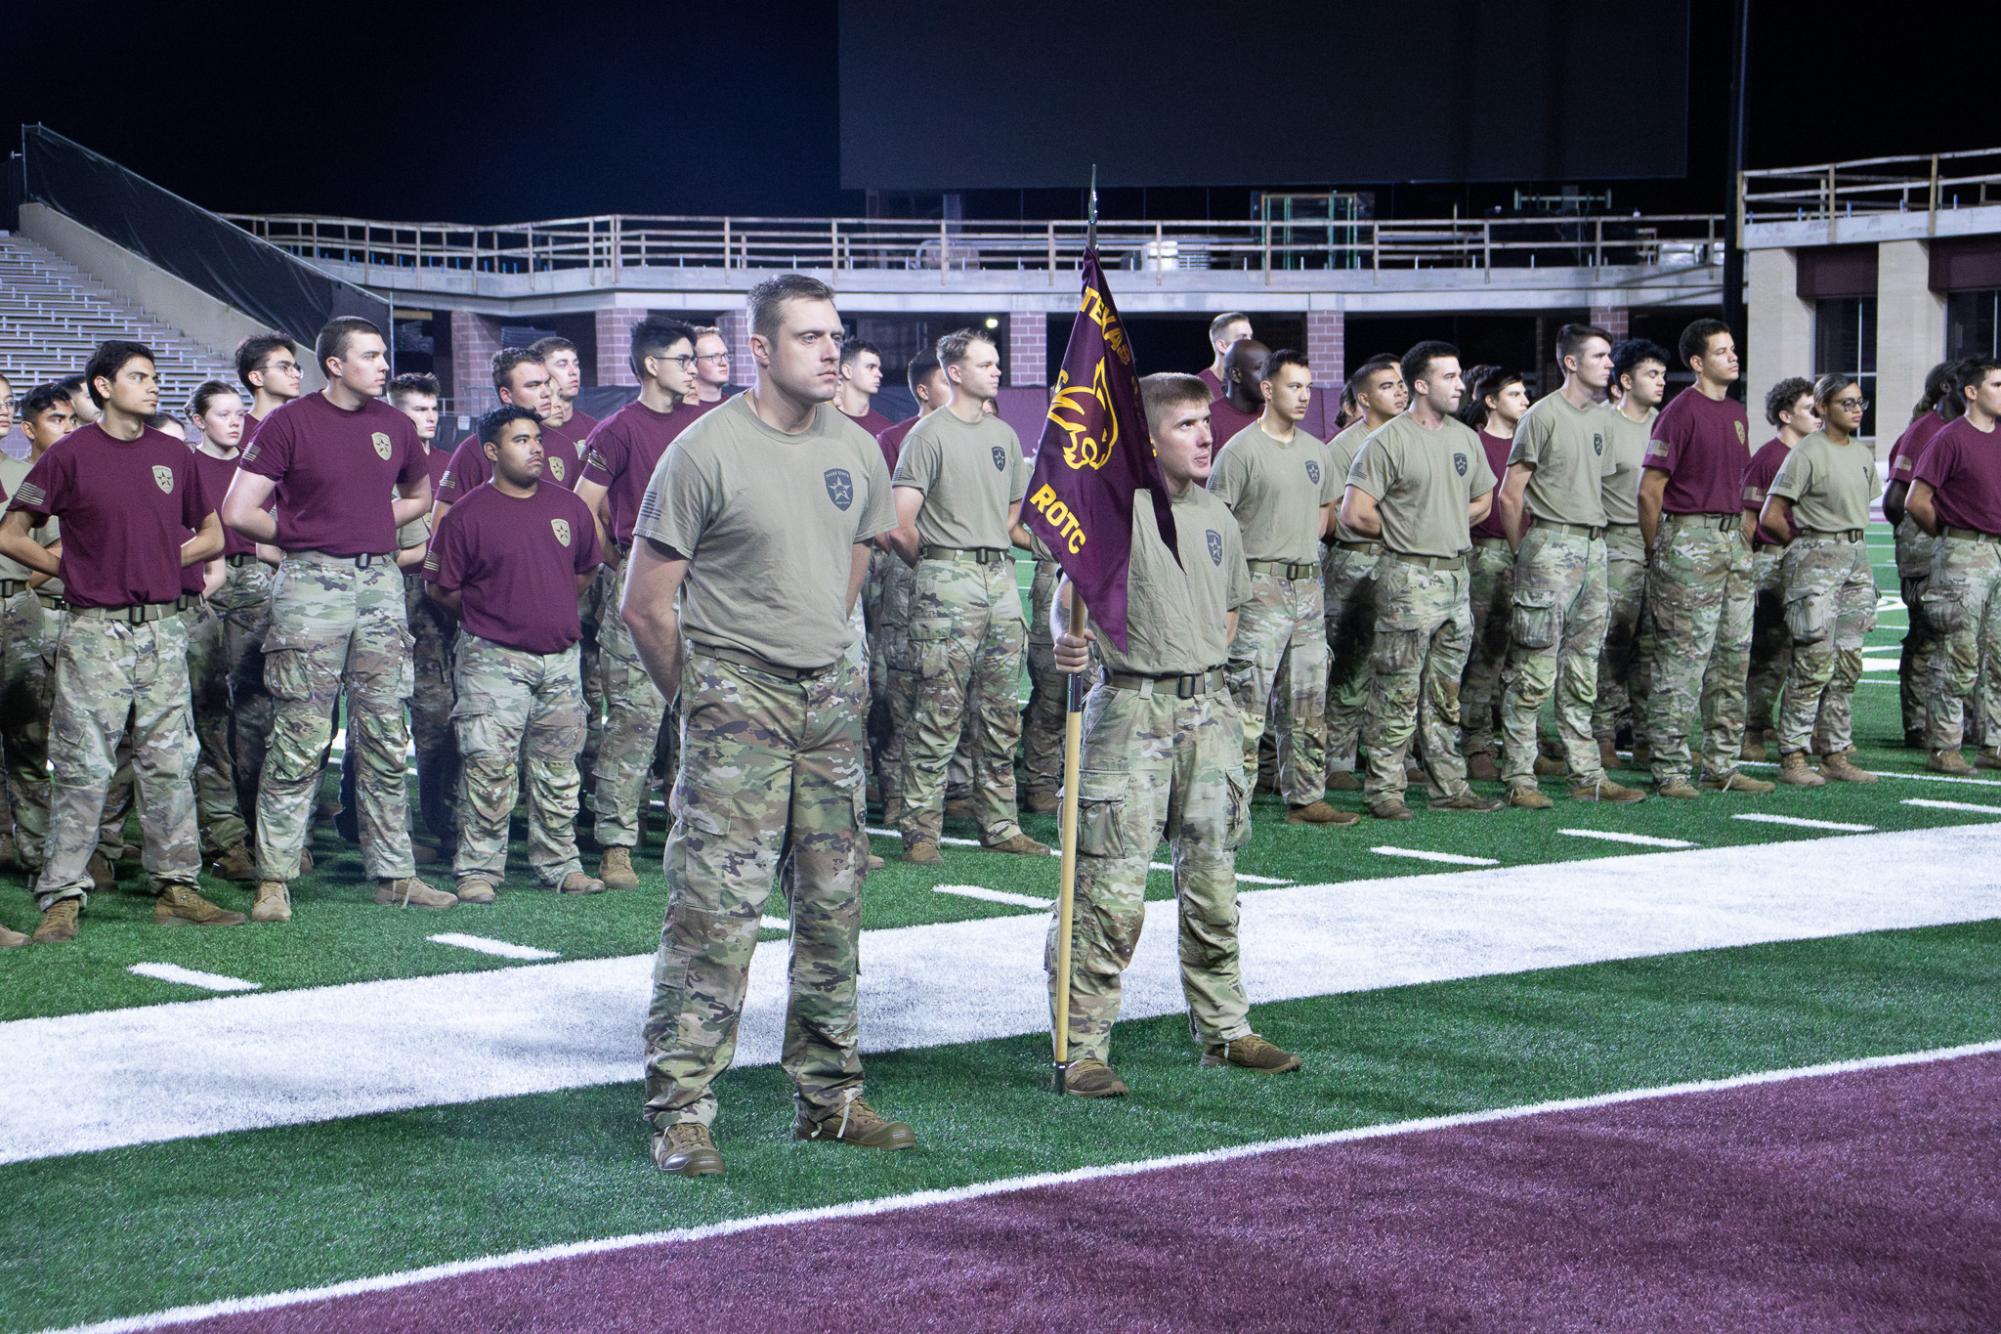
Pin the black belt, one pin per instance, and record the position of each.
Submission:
(138, 614)
(1720, 522)
(240, 559)
(1431, 562)
(1286, 569)
(1572, 529)
(757, 663)
(968, 555)
(1209, 682)
(1838, 534)
(187, 600)
(1610, 524)
(1970, 535)
(10, 587)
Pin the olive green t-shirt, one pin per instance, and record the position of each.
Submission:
(769, 522)
(1422, 482)
(1275, 490)
(1340, 458)
(13, 472)
(1177, 615)
(1626, 450)
(1829, 485)
(969, 476)
(1565, 445)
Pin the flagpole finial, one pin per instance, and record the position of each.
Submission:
(1091, 230)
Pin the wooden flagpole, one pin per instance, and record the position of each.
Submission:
(1073, 752)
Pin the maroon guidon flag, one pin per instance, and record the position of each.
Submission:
(1095, 456)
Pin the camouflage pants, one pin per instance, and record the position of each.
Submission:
(1042, 719)
(1915, 548)
(1556, 629)
(634, 710)
(507, 697)
(1424, 630)
(1348, 580)
(898, 669)
(1625, 664)
(1771, 643)
(771, 787)
(333, 622)
(1699, 593)
(966, 644)
(1491, 580)
(109, 673)
(243, 606)
(1830, 608)
(1282, 629)
(1962, 601)
(217, 811)
(28, 636)
(590, 612)
(1155, 767)
(434, 634)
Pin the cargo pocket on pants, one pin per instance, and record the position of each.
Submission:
(1533, 623)
(287, 672)
(1101, 815)
(1239, 799)
(1944, 602)
(1806, 617)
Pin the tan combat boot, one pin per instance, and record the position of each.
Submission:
(615, 869)
(1988, 758)
(1250, 1052)
(685, 1149)
(410, 892)
(1390, 808)
(1528, 797)
(1018, 845)
(1948, 762)
(1608, 754)
(1840, 768)
(854, 1123)
(1319, 812)
(920, 851)
(478, 889)
(1549, 766)
(1677, 789)
(180, 905)
(1607, 791)
(235, 864)
(11, 939)
(1344, 780)
(1737, 781)
(103, 875)
(1465, 799)
(1794, 771)
(1481, 766)
(58, 922)
(1093, 1079)
(1753, 748)
(576, 882)
(274, 902)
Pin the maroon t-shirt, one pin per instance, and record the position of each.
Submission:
(1703, 445)
(871, 421)
(1910, 446)
(471, 469)
(251, 421)
(516, 561)
(1758, 477)
(623, 451)
(1225, 421)
(126, 507)
(336, 472)
(1210, 378)
(1497, 459)
(570, 436)
(1962, 464)
(891, 441)
(216, 475)
(439, 464)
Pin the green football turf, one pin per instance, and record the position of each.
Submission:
(137, 1229)
(338, 935)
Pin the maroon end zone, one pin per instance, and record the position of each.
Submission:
(1868, 1200)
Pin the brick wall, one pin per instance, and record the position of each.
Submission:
(1614, 320)
(1027, 348)
(613, 354)
(1327, 349)
(735, 325)
(474, 339)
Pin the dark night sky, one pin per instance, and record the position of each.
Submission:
(444, 111)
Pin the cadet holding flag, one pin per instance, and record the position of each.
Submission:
(1163, 757)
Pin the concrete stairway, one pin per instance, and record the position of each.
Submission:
(53, 315)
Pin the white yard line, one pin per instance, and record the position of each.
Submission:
(773, 924)
(499, 949)
(986, 895)
(1930, 805)
(1800, 822)
(192, 977)
(1058, 852)
(924, 1199)
(274, 1058)
(1637, 840)
(1447, 858)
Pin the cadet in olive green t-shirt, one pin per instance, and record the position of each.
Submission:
(1422, 482)
(1278, 491)
(1624, 660)
(969, 473)
(1348, 592)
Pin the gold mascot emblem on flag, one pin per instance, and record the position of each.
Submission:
(561, 527)
(381, 443)
(1080, 411)
(163, 477)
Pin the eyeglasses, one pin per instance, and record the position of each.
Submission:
(713, 356)
(1852, 404)
(682, 361)
(282, 367)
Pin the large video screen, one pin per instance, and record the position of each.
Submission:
(1029, 93)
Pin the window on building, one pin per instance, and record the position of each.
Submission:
(1844, 340)
(1973, 323)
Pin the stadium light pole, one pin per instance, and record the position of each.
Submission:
(1733, 243)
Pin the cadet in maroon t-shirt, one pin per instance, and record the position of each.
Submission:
(618, 464)
(1691, 505)
(1790, 407)
(127, 497)
(511, 558)
(334, 460)
(861, 381)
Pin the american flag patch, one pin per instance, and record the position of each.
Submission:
(249, 452)
(1657, 449)
(430, 560)
(30, 494)
(649, 505)
(596, 460)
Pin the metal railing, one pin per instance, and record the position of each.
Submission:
(610, 243)
(1924, 183)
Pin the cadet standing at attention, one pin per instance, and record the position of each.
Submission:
(1420, 484)
(762, 519)
(1639, 373)
(1163, 758)
(128, 497)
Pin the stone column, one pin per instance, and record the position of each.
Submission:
(1779, 341)
(1910, 333)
